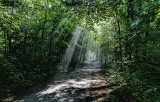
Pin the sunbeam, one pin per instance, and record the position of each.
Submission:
(70, 50)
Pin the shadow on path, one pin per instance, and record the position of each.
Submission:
(81, 85)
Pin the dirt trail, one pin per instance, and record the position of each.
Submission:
(81, 85)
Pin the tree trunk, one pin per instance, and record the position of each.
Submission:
(119, 37)
(42, 40)
(9, 43)
(5, 44)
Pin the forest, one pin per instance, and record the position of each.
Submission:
(41, 38)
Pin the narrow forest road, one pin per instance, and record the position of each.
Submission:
(81, 85)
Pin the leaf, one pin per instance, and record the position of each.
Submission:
(150, 90)
(136, 22)
(144, 9)
(134, 34)
(123, 1)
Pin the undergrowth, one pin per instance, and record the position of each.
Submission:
(133, 86)
(15, 76)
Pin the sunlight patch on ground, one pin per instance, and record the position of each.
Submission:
(72, 83)
(68, 87)
(52, 89)
(77, 82)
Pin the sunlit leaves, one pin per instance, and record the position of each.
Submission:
(136, 22)
(133, 34)
(33, 30)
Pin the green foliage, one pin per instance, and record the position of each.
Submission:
(11, 2)
(33, 38)
(34, 35)
(9, 76)
(62, 68)
(135, 50)
(114, 76)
